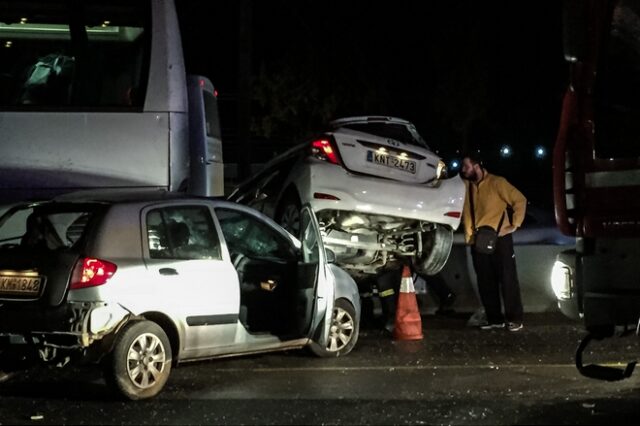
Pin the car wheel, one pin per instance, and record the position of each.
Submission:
(288, 213)
(343, 333)
(140, 362)
(436, 247)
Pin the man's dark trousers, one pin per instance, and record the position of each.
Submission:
(496, 273)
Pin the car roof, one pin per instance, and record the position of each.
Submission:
(117, 195)
(368, 119)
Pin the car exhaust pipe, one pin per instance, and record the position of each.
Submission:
(600, 372)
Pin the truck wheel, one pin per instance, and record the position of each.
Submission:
(140, 362)
(343, 333)
(288, 213)
(436, 247)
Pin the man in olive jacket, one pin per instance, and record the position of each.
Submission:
(496, 272)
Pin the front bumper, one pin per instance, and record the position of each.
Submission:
(441, 203)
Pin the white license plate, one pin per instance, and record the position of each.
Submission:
(20, 285)
(392, 161)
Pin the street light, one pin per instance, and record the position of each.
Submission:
(505, 151)
(540, 152)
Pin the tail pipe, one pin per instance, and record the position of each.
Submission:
(600, 372)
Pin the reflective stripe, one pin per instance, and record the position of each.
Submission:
(386, 293)
(612, 179)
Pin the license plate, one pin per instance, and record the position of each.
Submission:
(21, 285)
(392, 161)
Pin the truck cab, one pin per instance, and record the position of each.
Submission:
(596, 173)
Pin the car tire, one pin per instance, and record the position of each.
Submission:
(135, 378)
(288, 212)
(343, 334)
(436, 247)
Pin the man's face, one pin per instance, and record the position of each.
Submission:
(469, 170)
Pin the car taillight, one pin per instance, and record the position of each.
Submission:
(323, 150)
(91, 272)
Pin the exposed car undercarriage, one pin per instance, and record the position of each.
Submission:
(367, 243)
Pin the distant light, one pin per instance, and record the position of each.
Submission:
(106, 23)
(505, 151)
(8, 43)
(215, 93)
(455, 164)
(23, 20)
(540, 152)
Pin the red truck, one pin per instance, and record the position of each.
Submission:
(596, 174)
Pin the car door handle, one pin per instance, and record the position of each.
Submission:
(168, 271)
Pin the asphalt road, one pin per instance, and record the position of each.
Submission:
(454, 375)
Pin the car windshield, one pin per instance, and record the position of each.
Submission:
(397, 131)
(44, 227)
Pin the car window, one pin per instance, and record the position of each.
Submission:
(48, 228)
(309, 239)
(399, 132)
(245, 234)
(185, 232)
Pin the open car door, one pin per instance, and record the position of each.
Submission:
(313, 252)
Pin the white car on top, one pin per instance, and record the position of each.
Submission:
(379, 192)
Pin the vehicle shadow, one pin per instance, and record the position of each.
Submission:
(85, 384)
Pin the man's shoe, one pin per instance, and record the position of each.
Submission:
(492, 326)
(514, 326)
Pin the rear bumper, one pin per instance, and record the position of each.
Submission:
(379, 196)
(72, 325)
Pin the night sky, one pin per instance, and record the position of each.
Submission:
(466, 73)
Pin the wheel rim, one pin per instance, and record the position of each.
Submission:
(341, 332)
(145, 360)
(291, 219)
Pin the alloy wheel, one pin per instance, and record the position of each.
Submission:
(146, 360)
(341, 331)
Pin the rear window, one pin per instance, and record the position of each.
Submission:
(399, 132)
(47, 228)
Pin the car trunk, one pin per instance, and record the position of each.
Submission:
(40, 276)
(39, 246)
(386, 158)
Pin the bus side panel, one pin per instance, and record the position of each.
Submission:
(42, 150)
(179, 152)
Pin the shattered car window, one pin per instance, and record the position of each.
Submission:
(249, 236)
(185, 232)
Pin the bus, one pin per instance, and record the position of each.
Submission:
(596, 175)
(94, 94)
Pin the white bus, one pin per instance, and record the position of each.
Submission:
(94, 94)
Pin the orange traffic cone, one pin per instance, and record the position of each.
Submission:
(408, 324)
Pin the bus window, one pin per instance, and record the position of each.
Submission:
(67, 54)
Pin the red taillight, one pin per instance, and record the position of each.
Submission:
(322, 149)
(323, 196)
(453, 214)
(90, 272)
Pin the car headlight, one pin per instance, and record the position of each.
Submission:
(561, 281)
(441, 170)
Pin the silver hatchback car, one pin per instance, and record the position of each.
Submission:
(140, 282)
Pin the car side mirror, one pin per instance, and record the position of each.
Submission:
(330, 255)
